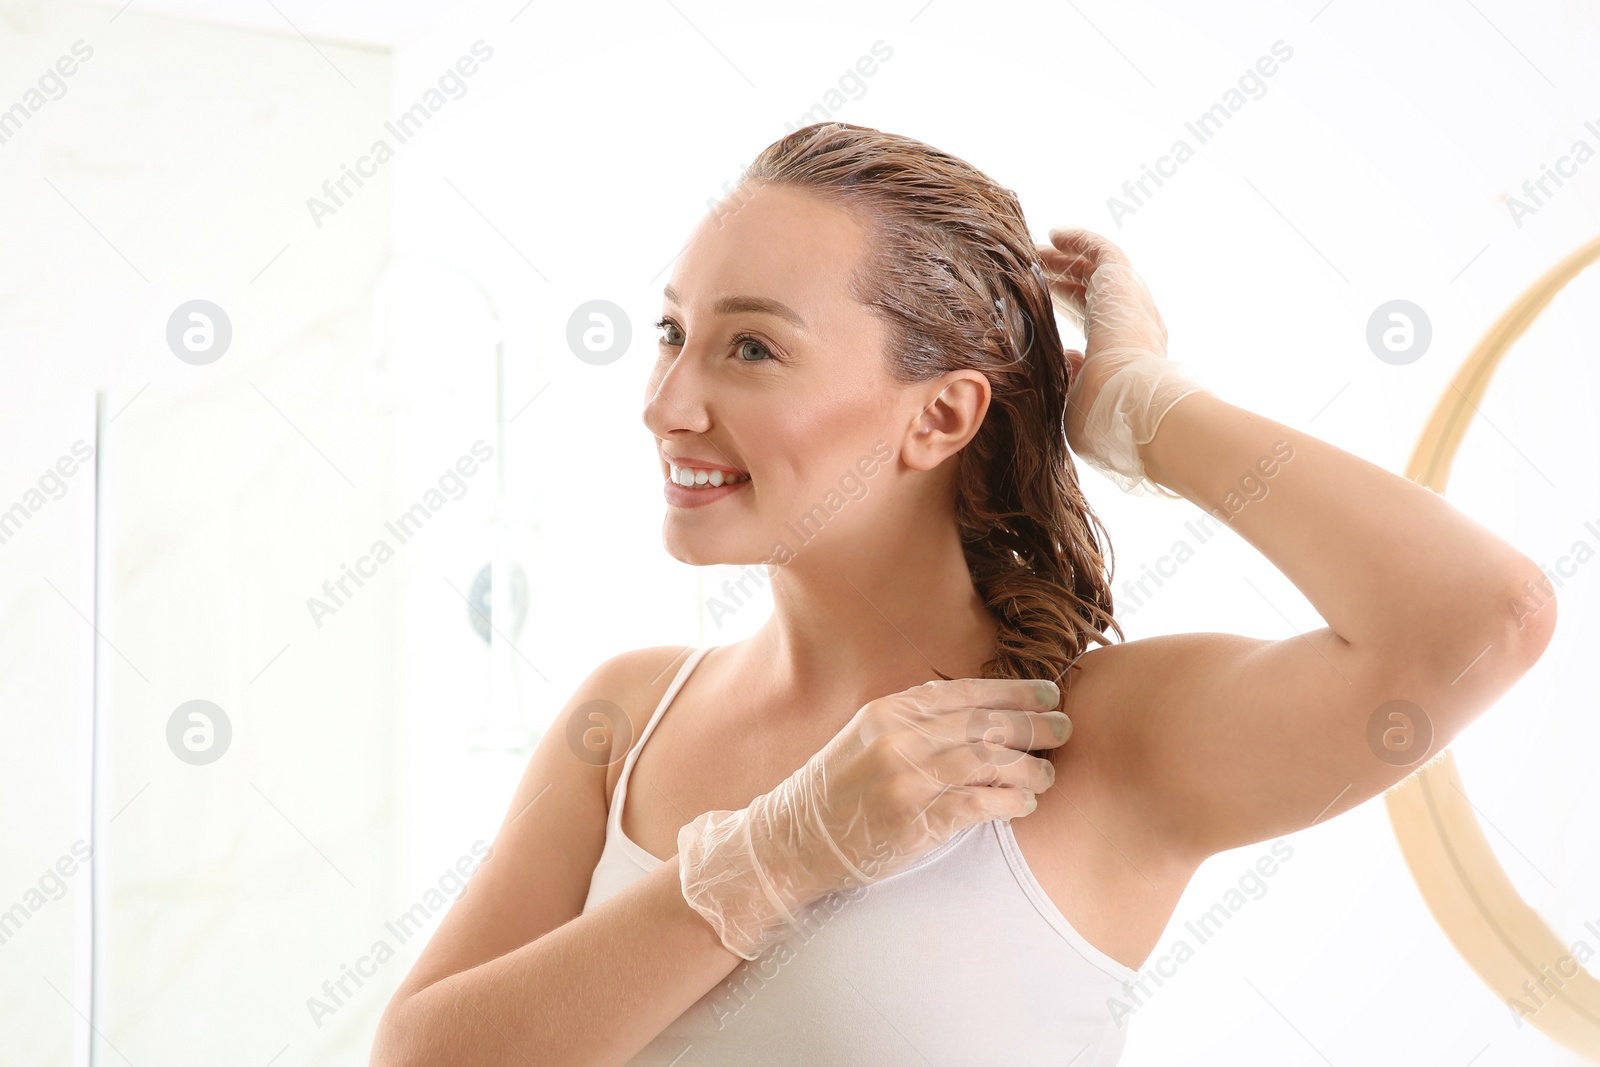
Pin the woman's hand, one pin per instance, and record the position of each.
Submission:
(906, 773)
(1094, 285)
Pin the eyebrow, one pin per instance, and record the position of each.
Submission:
(734, 305)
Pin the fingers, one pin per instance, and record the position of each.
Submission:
(1075, 240)
(983, 804)
(1017, 713)
(970, 743)
(1069, 283)
(1072, 302)
(975, 731)
(1026, 694)
(1063, 268)
(1016, 731)
(1063, 256)
(1055, 257)
(1072, 259)
(972, 766)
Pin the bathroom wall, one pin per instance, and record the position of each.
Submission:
(175, 166)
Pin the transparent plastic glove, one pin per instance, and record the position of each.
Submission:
(1124, 384)
(906, 773)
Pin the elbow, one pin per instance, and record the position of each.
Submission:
(1530, 621)
(384, 1053)
(1483, 656)
(389, 1046)
(1516, 633)
(1492, 641)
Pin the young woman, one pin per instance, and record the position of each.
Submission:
(821, 859)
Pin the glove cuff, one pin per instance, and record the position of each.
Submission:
(1127, 412)
(722, 879)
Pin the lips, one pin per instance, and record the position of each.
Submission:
(692, 482)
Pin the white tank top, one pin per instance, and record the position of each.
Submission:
(957, 958)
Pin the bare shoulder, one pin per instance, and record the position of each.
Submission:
(1109, 685)
(1097, 685)
(624, 691)
(536, 874)
(1096, 843)
(1109, 682)
(1111, 694)
(1123, 660)
(1217, 740)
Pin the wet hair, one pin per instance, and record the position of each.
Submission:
(951, 268)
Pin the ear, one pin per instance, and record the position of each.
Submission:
(953, 410)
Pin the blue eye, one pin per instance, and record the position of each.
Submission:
(742, 343)
(744, 339)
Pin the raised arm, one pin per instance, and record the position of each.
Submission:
(1235, 739)
(1228, 740)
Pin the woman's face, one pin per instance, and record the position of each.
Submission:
(768, 367)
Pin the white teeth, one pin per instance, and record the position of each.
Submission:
(694, 477)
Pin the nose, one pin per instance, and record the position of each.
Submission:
(675, 398)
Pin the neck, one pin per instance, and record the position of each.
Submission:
(871, 615)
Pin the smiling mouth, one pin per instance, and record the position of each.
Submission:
(700, 478)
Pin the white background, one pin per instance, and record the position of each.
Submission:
(369, 753)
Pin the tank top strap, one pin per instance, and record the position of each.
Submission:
(614, 817)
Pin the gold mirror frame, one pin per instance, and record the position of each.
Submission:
(1499, 935)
